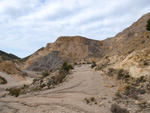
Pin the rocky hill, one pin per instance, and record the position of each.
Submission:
(133, 38)
(80, 49)
(7, 56)
(66, 48)
(129, 50)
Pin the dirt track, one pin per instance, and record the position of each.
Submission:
(68, 97)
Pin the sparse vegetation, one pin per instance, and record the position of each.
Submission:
(34, 80)
(87, 100)
(64, 70)
(140, 80)
(14, 92)
(45, 73)
(117, 109)
(36, 89)
(146, 63)
(93, 64)
(131, 91)
(148, 25)
(143, 41)
(122, 74)
(6, 56)
(3, 80)
(53, 77)
(92, 99)
(88, 62)
(111, 71)
(117, 94)
(66, 66)
(75, 63)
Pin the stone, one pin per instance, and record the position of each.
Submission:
(101, 104)
(138, 102)
(142, 91)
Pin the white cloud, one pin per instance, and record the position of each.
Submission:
(27, 25)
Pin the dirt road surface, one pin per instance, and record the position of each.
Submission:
(69, 97)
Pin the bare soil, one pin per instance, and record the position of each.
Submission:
(69, 97)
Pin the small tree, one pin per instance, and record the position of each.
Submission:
(148, 25)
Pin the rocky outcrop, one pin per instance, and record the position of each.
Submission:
(133, 38)
(66, 48)
(129, 50)
(48, 62)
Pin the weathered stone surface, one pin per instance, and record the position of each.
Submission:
(48, 62)
(66, 48)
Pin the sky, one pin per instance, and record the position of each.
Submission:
(27, 25)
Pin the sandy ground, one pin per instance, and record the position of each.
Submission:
(14, 80)
(68, 97)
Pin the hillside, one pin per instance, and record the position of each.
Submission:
(80, 49)
(133, 38)
(129, 50)
(7, 56)
(71, 49)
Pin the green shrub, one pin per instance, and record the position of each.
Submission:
(87, 100)
(14, 92)
(63, 71)
(122, 74)
(117, 109)
(35, 80)
(45, 73)
(131, 91)
(93, 64)
(143, 42)
(92, 99)
(88, 62)
(53, 77)
(111, 71)
(3, 80)
(66, 66)
(117, 94)
(148, 25)
(140, 80)
(75, 63)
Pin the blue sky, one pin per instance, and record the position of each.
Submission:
(27, 25)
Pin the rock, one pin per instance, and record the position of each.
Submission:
(101, 104)
(44, 88)
(111, 86)
(142, 91)
(138, 102)
(42, 85)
